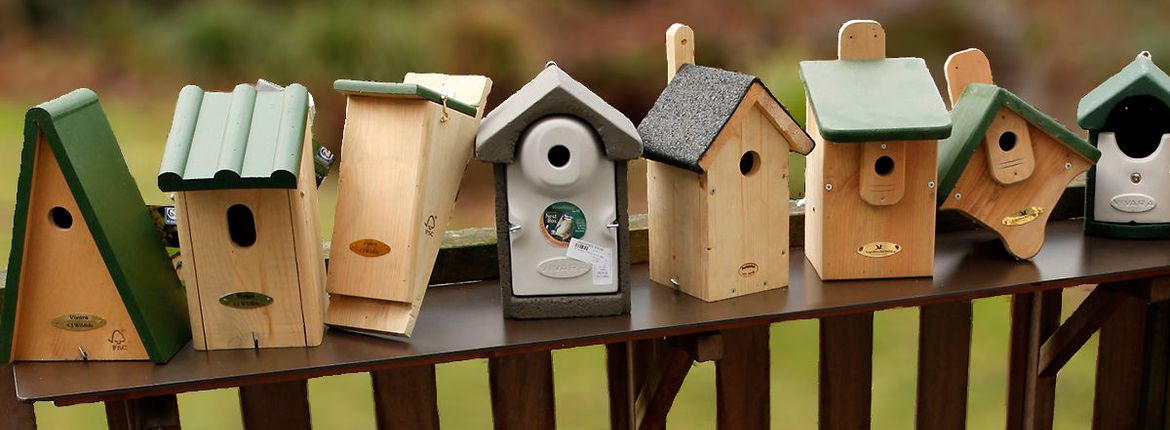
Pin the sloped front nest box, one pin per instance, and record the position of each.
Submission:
(870, 180)
(1128, 118)
(717, 143)
(246, 204)
(88, 277)
(560, 156)
(1006, 163)
(405, 148)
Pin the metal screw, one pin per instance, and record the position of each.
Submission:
(674, 281)
(828, 187)
(958, 196)
(712, 191)
(930, 184)
(1135, 177)
(883, 146)
(84, 356)
(1067, 165)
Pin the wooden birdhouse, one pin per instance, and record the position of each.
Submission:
(717, 143)
(1006, 164)
(1128, 118)
(560, 156)
(88, 276)
(870, 180)
(405, 147)
(241, 167)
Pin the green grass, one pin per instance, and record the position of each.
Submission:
(346, 401)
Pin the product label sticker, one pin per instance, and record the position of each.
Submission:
(599, 256)
(562, 222)
(603, 273)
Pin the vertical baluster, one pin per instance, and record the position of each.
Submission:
(160, 412)
(406, 398)
(276, 406)
(15, 414)
(846, 371)
(1031, 398)
(522, 391)
(944, 355)
(742, 379)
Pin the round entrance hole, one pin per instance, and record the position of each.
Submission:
(1007, 141)
(558, 156)
(61, 217)
(883, 165)
(749, 163)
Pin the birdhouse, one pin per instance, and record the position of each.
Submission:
(405, 147)
(1006, 164)
(870, 180)
(241, 167)
(717, 143)
(88, 276)
(559, 154)
(1128, 118)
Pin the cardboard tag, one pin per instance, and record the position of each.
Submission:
(603, 272)
(599, 256)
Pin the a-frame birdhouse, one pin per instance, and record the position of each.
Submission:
(1128, 118)
(88, 276)
(717, 143)
(870, 181)
(1006, 163)
(404, 151)
(241, 167)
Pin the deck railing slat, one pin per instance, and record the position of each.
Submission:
(1031, 397)
(742, 380)
(276, 406)
(160, 412)
(944, 353)
(1121, 351)
(16, 414)
(846, 371)
(406, 398)
(522, 391)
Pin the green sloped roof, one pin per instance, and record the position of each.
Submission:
(1140, 77)
(242, 139)
(875, 100)
(76, 129)
(973, 115)
(390, 89)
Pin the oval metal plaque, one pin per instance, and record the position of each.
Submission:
(562, 268)
(1023, 216)
(79, 322)
(1133, 203)
(246, 300)
(369, 247)
(879, 249)
(748, 269)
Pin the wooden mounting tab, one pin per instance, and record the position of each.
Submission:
(861, 40)
(680, 48)
(966, 67)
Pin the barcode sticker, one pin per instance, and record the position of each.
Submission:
(599, 256)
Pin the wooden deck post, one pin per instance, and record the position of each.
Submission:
(277, 406)
(1031, 397)
(944, 353)
(161, 412)
(742, 380)
(406, 398)
(522, 391)
(846, 371)
(1132, 364)
(15, 414)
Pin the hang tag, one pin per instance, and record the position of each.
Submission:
(603, 272)
(599, 256)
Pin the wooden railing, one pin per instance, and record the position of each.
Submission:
(650, 352)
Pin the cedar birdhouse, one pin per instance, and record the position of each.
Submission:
(405, 147)
(1128, 118)
(870, 180)
(88, 276)
(1006, 163)
(717, 144)
(559, 153)
(241, 167)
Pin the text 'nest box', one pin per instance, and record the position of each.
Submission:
(1128, 118)
(404, 152)
(870, 180)
(1006, 164)
(88, 276)
(717, 144)
(246, 205)
(560, 155)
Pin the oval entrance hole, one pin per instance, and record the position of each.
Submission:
(61, 217)
(241, 225)
(1007, 141)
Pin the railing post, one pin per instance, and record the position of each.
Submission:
(1133, 361)
(406, 398)
(276, 406)
(161, 412)
(522, 391)
(846, 371)
(15, 414)
(1031, 397)
(944, 354)
(742, 380)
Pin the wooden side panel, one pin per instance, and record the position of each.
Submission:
(849, 223)
(309, 249)
(522, 391)
(63, 274)
(742, 380)
(677, 217)
(269, 266)
(814, 196)
(989, 202)
(15, 414)
(846, 371)
(406, 398)
(190, 273)
(748, 213)
(161, 413)
(278, 406)
(944, 354)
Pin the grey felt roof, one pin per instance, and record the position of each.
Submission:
(691, 112)
(554, 92)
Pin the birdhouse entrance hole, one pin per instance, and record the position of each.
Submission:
(241, 225)
(1007, 141)
(61, 217)
(1138, 124)
(558, 156)
(883, 166)
(749, 163)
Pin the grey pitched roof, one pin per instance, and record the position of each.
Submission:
(242, 139)
(691, 112)
(554, 92)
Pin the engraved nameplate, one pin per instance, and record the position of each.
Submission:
(563, 268)
(1133, 203)
(79, 322)
(246, 300)
(1022, 216)
(369, 247)
(879, 249)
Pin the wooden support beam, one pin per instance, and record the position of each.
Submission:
(406, 398)
(1156, 390)
(846, 371)
(161, 412)
(15, 415)
(620, 376)
(663, 378)
(742, 379)
(277, 406)
(522, 391)
(944, 355)
(1031, 397)
(1080, 326)
(1120, 371)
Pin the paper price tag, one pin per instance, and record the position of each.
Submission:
(603, 273)
(599, 256)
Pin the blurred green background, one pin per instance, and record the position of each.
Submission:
(137, 54)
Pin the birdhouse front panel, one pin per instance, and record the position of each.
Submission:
(1130, 189)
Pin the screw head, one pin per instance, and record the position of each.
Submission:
(828, 187)
(1067, 165)
(883, 146)
(958, 196)
(1135, 177)
(930, 184)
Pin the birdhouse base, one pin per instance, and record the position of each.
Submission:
(372, 315)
